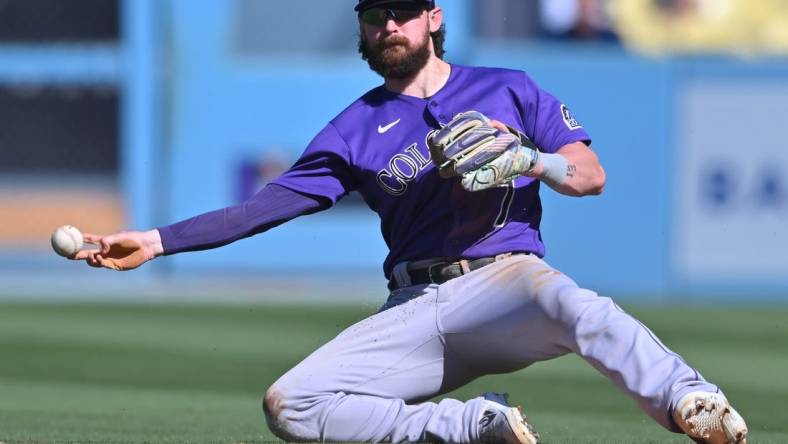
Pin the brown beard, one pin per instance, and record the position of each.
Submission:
(394, 57)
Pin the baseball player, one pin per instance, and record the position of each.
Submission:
(452, 159)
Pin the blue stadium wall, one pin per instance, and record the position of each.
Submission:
(696, 203)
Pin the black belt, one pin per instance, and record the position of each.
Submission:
(440, 272)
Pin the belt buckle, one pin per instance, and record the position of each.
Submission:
(429, 271)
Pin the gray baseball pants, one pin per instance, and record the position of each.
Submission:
(372, 382)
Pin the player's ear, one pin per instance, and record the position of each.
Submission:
(436, 19)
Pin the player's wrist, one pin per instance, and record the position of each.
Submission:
(550, 168)
(151, 239)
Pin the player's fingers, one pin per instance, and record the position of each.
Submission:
(110, 263)
(497, 124)
(93, 259)
(91, 238)
(108, 241)
(99, 261)
(81, 255)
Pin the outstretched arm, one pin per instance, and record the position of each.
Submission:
(270, 207)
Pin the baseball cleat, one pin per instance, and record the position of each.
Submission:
(502, 424)
(708, 418)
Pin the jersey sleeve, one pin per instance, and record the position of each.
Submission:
(549, 122)
(323, 169)
(270, 207)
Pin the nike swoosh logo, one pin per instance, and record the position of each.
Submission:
(383, 129)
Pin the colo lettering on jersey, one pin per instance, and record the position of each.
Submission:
(402, 169)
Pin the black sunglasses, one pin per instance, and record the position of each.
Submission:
(400, 14)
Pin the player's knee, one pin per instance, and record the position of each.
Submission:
(293, 413)
(272, 408)
(282, 418)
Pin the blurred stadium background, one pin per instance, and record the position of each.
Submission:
(132, 114)
(140, 113)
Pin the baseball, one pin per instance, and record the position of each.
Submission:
(67, 240)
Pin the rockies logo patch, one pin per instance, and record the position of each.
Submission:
(569, 119)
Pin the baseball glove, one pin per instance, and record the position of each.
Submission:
(482, 155)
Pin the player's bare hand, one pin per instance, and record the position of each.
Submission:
(497, 124)
(121, 251)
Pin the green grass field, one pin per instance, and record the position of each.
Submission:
(196, 374)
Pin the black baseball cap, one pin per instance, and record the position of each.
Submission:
(366, 4)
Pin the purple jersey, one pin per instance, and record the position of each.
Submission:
(378, 147)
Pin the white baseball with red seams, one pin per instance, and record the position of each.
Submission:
(67, 240)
